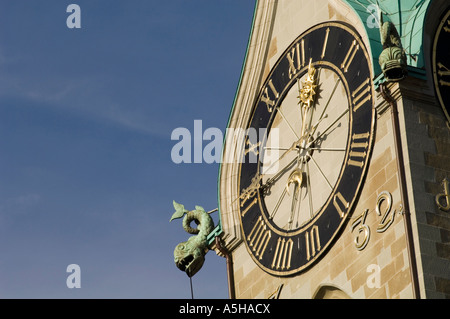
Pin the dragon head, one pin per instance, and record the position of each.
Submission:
(188, 257)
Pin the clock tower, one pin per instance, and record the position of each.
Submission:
(335, 175)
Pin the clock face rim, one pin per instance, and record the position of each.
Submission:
(437, 34)
(289, 234)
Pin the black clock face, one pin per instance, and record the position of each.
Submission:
(441, 63)
(307, 149)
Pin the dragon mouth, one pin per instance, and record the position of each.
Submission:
(185, 262)
(190, 264)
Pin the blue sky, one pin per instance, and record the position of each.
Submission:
(86, 117)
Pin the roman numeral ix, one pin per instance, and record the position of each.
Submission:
(361, 95)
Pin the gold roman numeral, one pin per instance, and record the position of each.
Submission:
(296, 58)
(254, 148)
(342, 202)
(325, 43)
(259, 237)
(253, 202)
(265, 96)
(350, 56)
(444, 83)
(360, 142)
(283, 254)
(361, 95)
(312, 242)
(250, 192)
(443, 71)
(447, 29)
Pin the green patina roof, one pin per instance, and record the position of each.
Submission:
(408, 17)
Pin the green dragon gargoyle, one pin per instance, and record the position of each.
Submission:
(189, 256)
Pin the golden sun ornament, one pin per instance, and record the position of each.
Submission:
(307, 92)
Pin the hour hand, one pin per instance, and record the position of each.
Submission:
(269, 182)
(251, 190)
(296, 178)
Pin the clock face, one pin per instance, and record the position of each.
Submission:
(307, 149)
(441, 63)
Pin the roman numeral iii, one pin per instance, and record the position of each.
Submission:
(358, 149)
(283, 254)
(361, 95)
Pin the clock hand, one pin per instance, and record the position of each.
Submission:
(255, 184)
(329, 126)
(271, 180)
(304, 111)
(308, 97)
(278, 203)
(308, 146)
(323, 115)
(297, 209)
(287, 122)
(313, 128)
(275, 148)
(316, 80)
(293, 146)
(251, 190)
(296, 178)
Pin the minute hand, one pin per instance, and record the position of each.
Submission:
(269, 182)
(294, 146)
(329, 126)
